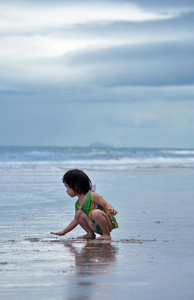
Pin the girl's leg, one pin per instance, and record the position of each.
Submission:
(85, 222)
(104, 222)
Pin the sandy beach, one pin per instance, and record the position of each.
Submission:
(150, 255)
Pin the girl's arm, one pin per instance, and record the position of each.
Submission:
(70, 227)
(99, 200)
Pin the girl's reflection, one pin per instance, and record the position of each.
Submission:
(93, 257)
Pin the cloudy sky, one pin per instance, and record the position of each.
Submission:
(73, 73)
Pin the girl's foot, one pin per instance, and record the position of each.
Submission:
(104, 237)
(88, 236)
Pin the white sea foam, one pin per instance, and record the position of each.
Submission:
(111, 164)
(179, 152)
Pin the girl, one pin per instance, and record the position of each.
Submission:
(92, 212)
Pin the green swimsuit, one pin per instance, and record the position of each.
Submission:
(88, 208)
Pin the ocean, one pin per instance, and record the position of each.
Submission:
(103, 159)
(151, 253)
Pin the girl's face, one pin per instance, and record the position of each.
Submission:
(69, 191)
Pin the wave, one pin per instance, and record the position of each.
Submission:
(51, 159)
(89, 154)
(179, 152)
(111, 164)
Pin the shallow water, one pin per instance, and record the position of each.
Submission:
(150, 255)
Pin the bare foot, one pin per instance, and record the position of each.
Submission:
(104, 237)
(87, 236)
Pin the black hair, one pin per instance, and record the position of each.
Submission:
(78, 181)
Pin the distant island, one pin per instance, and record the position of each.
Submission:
(98, 145)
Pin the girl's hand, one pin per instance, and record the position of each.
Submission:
(112, 211)
(58, 233)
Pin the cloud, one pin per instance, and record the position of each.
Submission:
(157, 64)
(27, 18)
(117, 47)
(76, 72)
(144, 123)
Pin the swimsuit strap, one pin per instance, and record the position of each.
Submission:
(87, 203)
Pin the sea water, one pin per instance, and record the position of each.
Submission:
(22, 169)
(107, 158)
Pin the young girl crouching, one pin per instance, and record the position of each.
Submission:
(92, 212)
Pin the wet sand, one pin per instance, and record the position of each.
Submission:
(150, 256)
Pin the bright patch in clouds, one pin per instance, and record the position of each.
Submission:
(30, 29)
(27, 18)
(33, 32)
(47, 46)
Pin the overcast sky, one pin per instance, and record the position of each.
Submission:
(73, 73)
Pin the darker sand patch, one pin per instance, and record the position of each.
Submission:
(74, 240)
(32, 240)
(132, 241)
(135, 241)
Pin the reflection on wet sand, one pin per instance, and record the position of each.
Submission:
(92, 257)
(94, 261)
